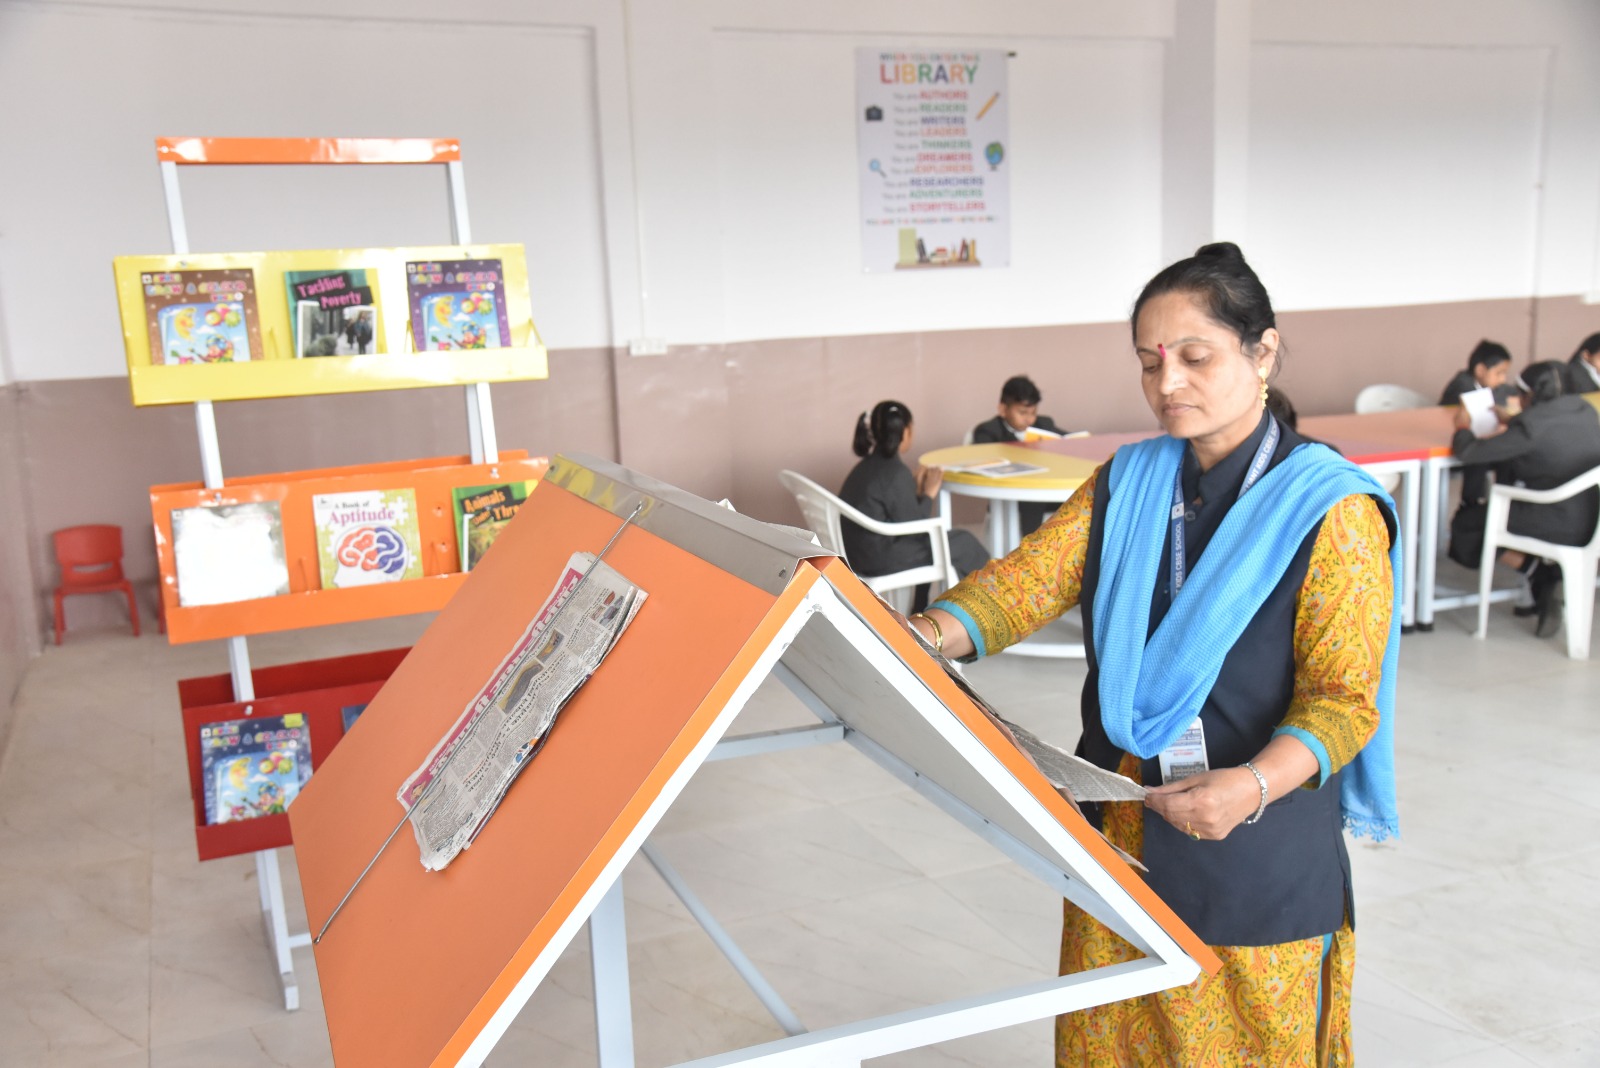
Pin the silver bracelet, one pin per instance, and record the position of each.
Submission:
(1261, 780)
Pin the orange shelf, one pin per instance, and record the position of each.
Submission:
(279, 150)
(307, 604)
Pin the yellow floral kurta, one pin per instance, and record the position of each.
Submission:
(1269, 1006)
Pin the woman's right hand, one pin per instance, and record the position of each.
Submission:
(929, 479)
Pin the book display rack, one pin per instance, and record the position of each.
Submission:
(311, 548)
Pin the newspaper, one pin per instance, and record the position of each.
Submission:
(1074, 778)
(458, 787)
(1000, 469)
(1069, 772)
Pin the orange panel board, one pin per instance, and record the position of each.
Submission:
(307, 604)
(472, 931)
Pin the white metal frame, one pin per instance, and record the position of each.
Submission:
(1081, 880)
(484, 449)
(1432, 598)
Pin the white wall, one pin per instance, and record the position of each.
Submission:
(685, 169)
(1395, 174)
(89, 87)
(1084, 150)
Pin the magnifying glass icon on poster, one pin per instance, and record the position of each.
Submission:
(874, 165)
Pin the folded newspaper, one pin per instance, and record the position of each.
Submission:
(452, 795)
(1074, 778)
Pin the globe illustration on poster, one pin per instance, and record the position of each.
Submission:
(994, 153)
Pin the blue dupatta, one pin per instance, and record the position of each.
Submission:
(1150, 692)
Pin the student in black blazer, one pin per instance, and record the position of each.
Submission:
(882, 487)
(1555, 439)
(1583, 370)
(1018, 413)
(1489, 366)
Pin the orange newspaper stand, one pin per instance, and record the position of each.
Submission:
(430, 968)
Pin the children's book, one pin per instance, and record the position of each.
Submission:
(202, 316)
(481, 513)
(334, 312)
(367, 536)
(229, 552)
(253, 767)
(349, 714)
(458, 304)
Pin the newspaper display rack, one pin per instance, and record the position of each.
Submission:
(316, 684)
(431, 968)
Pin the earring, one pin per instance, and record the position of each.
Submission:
(1263, 373)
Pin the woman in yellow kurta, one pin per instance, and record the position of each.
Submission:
(1237, 586)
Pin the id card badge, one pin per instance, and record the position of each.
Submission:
(1186, 756)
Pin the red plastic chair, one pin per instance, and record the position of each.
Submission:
(91, 562)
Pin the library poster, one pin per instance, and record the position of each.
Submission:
(934, 156)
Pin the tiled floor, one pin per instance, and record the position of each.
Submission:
(1478, 935)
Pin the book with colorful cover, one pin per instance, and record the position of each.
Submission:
(334, 312)
(367, 536)
(482, 512)
(458, 304)
(202, 316)
(229, 552)
(253, 767)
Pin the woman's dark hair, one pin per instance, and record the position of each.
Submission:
(1226, 288)
(1543, 381)
(1279, 404)
(1591, 344)
(883, 431)
(1488, 354)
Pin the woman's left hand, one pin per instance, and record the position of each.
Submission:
(1463, 418)
(1208, 805)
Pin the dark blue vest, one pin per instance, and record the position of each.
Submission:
(1286, 877)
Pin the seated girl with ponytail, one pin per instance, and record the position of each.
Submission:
(883, 487)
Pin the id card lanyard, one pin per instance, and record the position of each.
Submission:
(1187, 755)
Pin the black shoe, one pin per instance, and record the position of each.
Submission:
(1547, 600)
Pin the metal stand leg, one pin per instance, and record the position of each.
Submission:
(1411, 516)
(763, 990)
(613, 1005)
(1427, 551)
(275, 919)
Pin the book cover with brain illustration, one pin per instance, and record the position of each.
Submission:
(367, 537)
(458, 304)
(202, 316)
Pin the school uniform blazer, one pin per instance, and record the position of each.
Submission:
(1548, 444)
(1581, 376)
(993, 431)
(883, 488)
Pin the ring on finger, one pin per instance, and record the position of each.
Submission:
(1188, 829)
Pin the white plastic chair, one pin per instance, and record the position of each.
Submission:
(1579, 563)
(823, 512)
(1387, 398)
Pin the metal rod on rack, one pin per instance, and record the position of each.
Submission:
(439, 775)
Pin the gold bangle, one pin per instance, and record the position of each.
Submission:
(938, 631)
